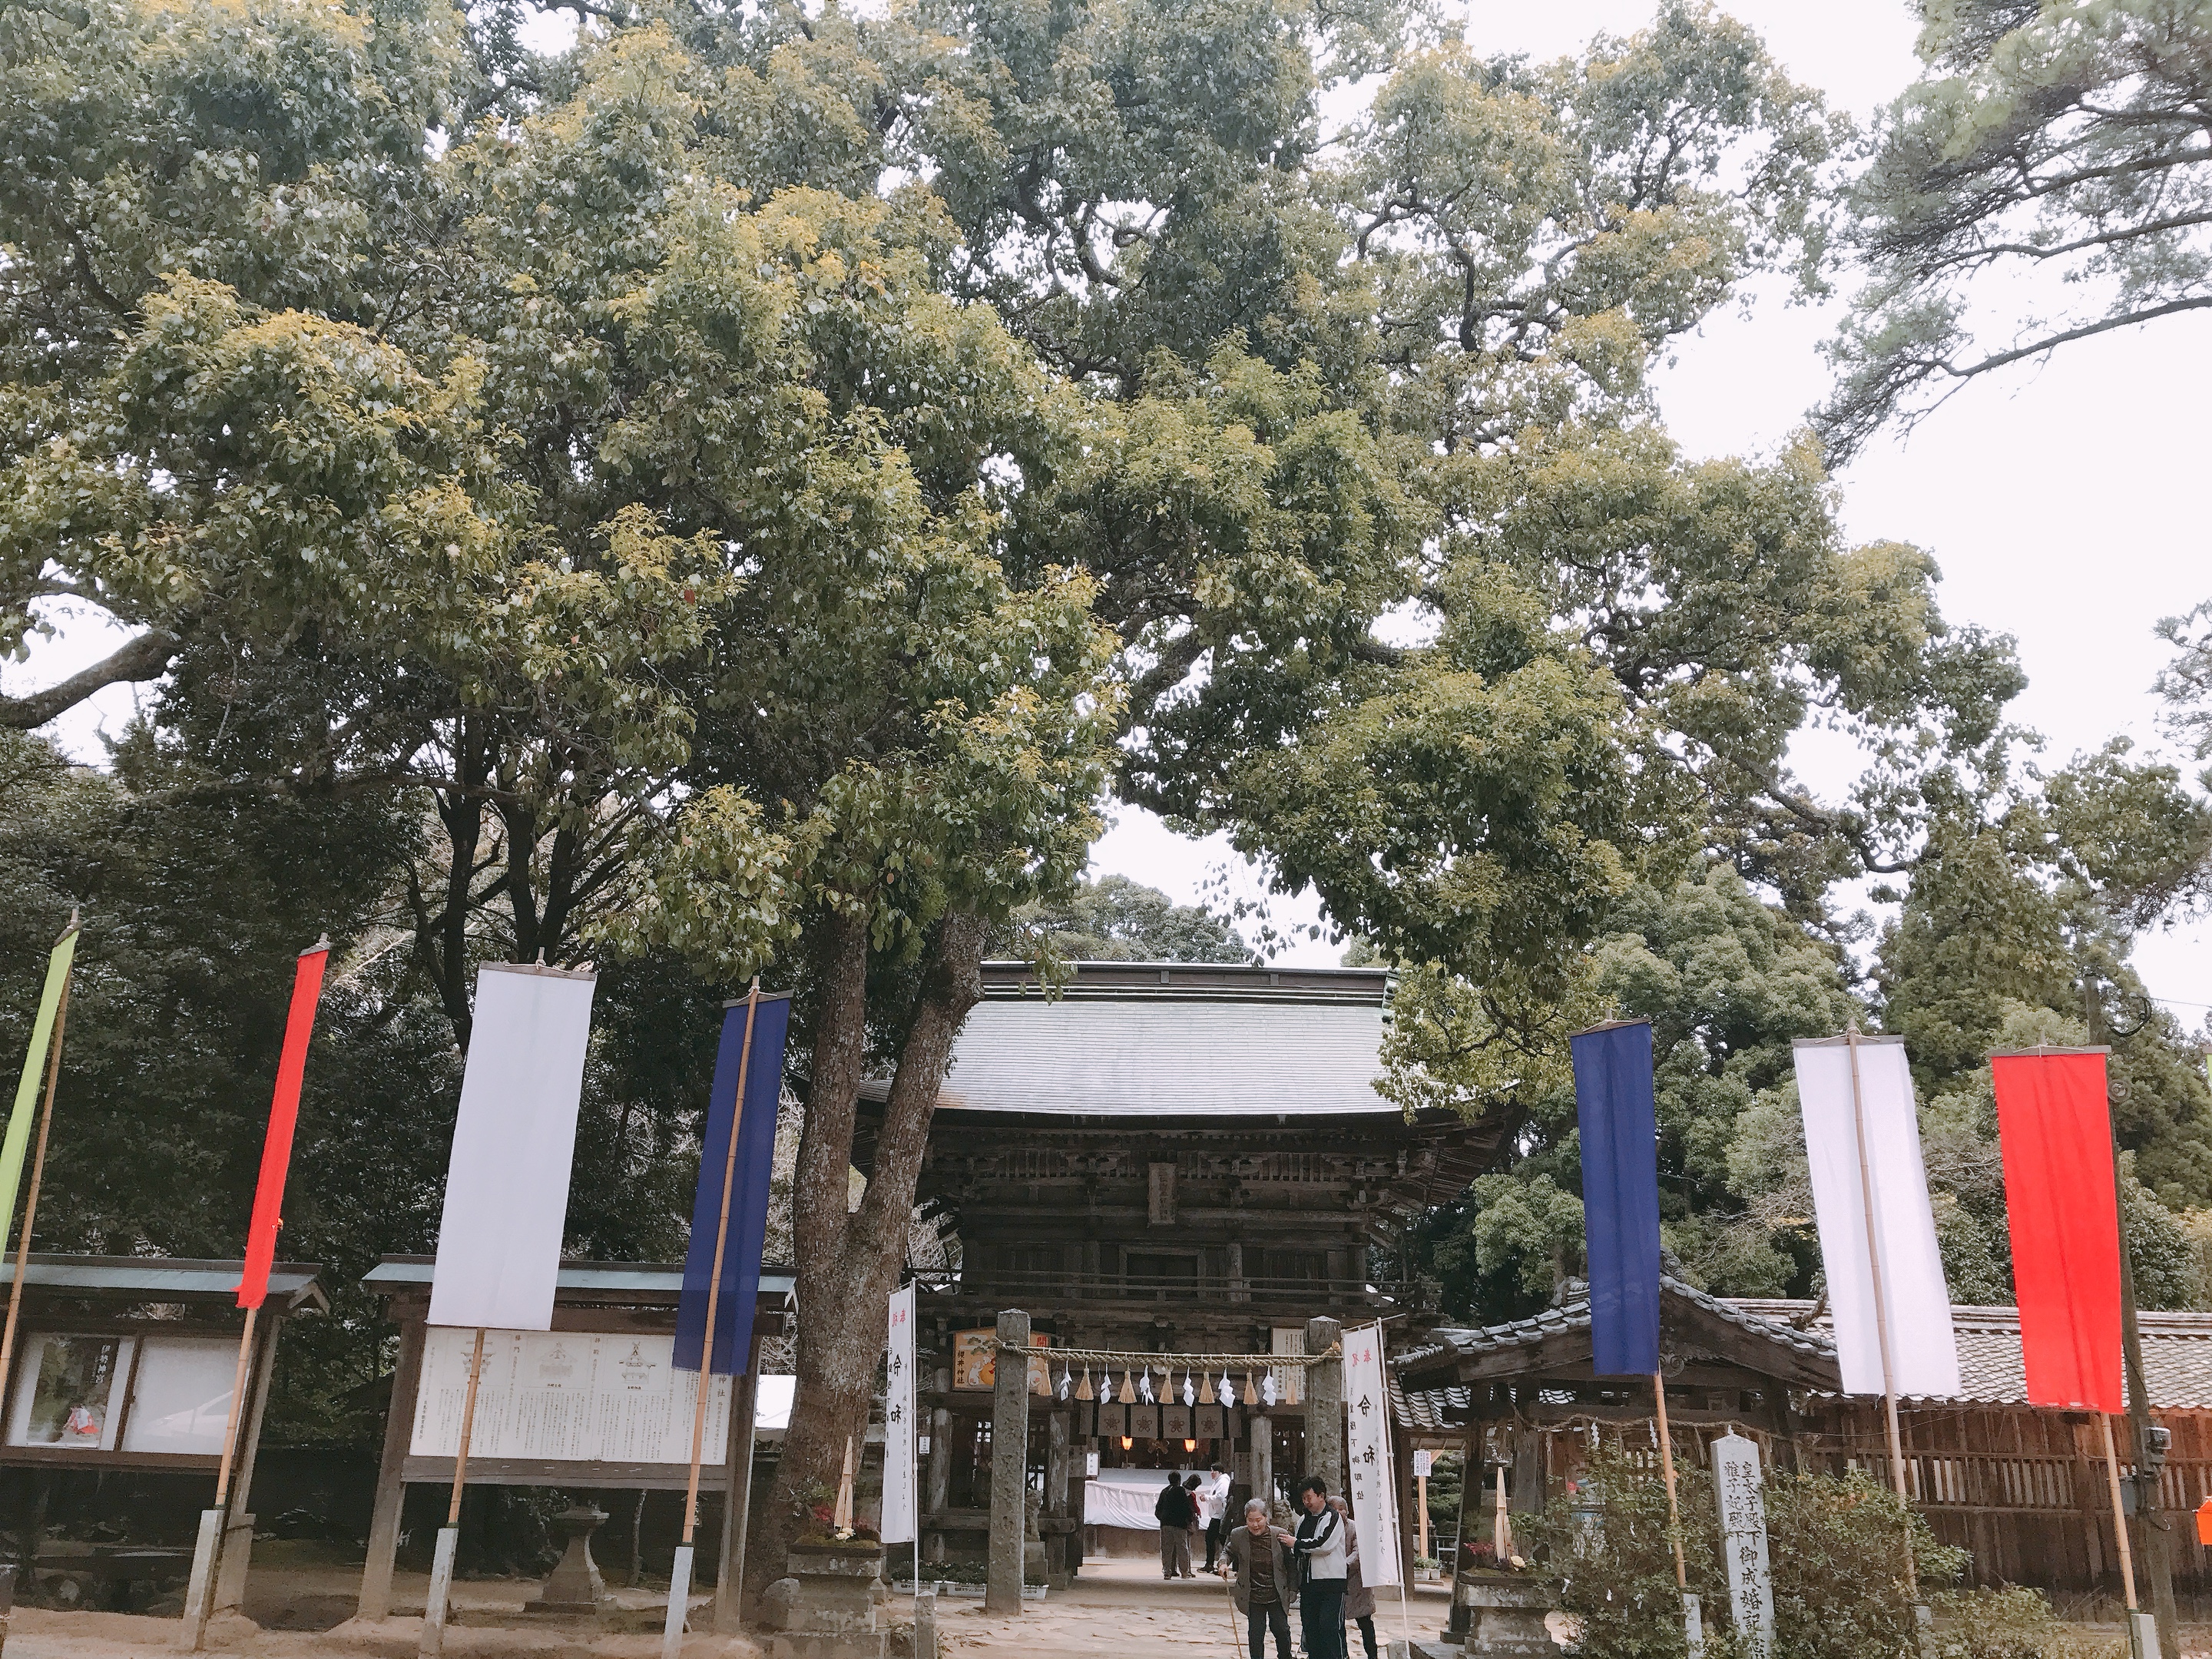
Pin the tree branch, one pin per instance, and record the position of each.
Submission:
(145, 658)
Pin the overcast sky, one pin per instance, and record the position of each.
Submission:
(2054, 499)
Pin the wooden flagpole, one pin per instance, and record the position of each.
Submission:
(1851, 1040)
(438, 1602)
(468, 1428)
(38, 1166)
(2119, 1517)
(1666, 1465)
(679, 1587)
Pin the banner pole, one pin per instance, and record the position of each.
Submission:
(1851, 1041)
(2119, 1517)
(38, 1166)
(437, 1602)
(1667, 1466)
(679, 1582)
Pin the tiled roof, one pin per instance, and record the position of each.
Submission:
(1574, 1314)
(2177, 1350)
(1422, 1411)
(1155, 1040)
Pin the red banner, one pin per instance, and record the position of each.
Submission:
(283, 1115)
(2056, 1132)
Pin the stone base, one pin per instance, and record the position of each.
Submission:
(820, 1644)
(1501, 1617)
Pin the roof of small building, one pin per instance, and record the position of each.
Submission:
(578, 1281)
(161, 1278)
(1171, 1039)
(1449, 1345)
(2177, 1350)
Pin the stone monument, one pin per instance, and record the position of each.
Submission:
(575, 1586)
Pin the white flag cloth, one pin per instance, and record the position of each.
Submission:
(1371, 1488)
(898, 1517)
(1916, 1303)
(506, 1183)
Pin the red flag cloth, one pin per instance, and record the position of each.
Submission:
(283, 1114)
(2056, 1132)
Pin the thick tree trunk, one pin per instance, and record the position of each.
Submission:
(849, 1259)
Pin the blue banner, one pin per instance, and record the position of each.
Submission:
(748, 1186)
(1621, 1195)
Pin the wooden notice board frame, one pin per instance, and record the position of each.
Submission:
(597, 1298)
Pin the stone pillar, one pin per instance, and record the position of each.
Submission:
(1324, 1398)
(1262, 1430)
(940, 1493)
(1010, 1443)
(1056, 1464)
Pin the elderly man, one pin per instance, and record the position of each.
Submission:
(1319, 1547)
(1265, 1580)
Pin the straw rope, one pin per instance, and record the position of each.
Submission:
(1160, 1361)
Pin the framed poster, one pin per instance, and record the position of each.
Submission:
(973, 1357)
(67, 1391)
(180, 1394)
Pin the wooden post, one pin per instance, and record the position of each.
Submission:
(1881, 1317)
(1501, 1530)
(375, 1601)
(2119, 1517)
(237, 1519)
(207, 1554)
(2158, 1540)
(736, 1503)
(37, 1173)
(679, 1581)
(1421, 1515)
(439, 1601)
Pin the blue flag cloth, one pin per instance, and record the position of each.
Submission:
(748, 1225)
(1621, 1195)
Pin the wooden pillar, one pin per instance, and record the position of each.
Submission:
(1402, 1460)
(1324, 1399)
(391, 1493)
(1529, 1475)
(738, 1493)
(1471, 1482)
(236, 1557)
(1010, 1444)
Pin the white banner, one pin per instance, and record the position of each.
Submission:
(506, 1183)
(1915, 1303)
(898, 1518)
(1373, 1487)
(1739, 1488)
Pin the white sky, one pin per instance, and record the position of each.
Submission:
(2053, 497)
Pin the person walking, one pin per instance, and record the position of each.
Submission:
(1265, 1579)
(1213, 1512)
(1174, 1510)
(1358, 1600)
(1319, 1547)
(1191, 1484)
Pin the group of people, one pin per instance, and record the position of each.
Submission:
(1317, 1566)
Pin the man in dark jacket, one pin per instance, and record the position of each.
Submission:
(1266, 1580)
(1174, 1511)
(1319, 1547)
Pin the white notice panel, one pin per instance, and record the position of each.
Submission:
(566, 1396)
(180, 1396)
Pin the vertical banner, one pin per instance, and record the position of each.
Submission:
(1739, 1487)
(1373, 1490)
(898, 1520)
(753, 1121)
(1857, 1092)
(515, 1144)
(2054, 1127)
(18, 1138)
(1615, 1110)
(283, 1118)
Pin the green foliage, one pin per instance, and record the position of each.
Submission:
(1113, 919)
(1608, 1547)
(1837, 1550)
(2057, 139)
(2013, 1623)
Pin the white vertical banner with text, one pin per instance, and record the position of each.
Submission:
(1739, 1489)
(898, 1521)
(1374, 1486)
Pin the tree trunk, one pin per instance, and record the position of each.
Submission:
(849, 1260)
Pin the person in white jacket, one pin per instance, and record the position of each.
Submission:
(1319, 1547)
(1214, 1511)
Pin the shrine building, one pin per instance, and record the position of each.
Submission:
(1167, 1159)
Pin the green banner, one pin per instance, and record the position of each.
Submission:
(27, 1091)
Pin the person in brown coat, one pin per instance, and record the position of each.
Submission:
(1358, 1600)
(1265, 1582)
